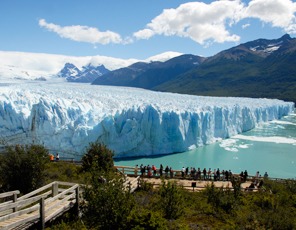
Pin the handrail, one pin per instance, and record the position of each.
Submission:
(49, 207)
(129, 170)
(11, 193)
(36, 191)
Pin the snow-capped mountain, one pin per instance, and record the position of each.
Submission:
(87, 75)
(266, 47)
(33, 65)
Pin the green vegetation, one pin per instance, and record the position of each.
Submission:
(98, 158)
(108, 204)
(23, 168)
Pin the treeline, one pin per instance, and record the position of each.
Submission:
(108, 204)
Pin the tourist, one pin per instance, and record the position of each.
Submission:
(230, 174)
(160, 170)
(183, 172)
(265, 175)
(245, 176)
(204, 172)
(198, 174)
(257, 175)
(51, 157)
(209, 174)
(154, 170)
(218, 174)
(57, 157)
(142, 169)
(251, 187)
(260, 184)
(223, 175)
(166, 171)
(241, 176)
(149, 173)
(226, 175)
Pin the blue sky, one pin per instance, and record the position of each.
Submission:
(140, 28)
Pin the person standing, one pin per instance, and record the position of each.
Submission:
(160, 170)
(183, 172)
(57, 157)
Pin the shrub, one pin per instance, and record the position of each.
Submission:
(97, 157)
(108, 204)
(171, 200)
(23, 167)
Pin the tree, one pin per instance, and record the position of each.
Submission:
(171, 200)
(97, 157)
(108, 204)
(23, 167)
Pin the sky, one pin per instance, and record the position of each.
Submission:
(140, 28)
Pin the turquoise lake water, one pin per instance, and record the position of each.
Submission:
(269, 148)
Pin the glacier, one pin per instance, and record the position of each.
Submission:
(66, 117)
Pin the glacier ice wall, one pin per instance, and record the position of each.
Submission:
(132, 122)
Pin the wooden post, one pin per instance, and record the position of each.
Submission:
(14, 200)
(55, 189)
(42, 213)
(77, 201)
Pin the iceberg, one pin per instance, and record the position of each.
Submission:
(66, 117)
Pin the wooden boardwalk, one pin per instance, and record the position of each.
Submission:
(39, 206)
(44, 204)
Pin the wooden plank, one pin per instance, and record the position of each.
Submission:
(70, 184)
(58, 210)
(6, 194)
(49, 206)
(69, 190)
(18, 221)
(19, 213)
(36, 191)
(22, 203)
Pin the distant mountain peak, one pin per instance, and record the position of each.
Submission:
(266, 47)
(87, 75)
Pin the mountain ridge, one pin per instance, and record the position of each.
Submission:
(259, 68)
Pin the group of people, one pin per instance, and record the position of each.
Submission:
(153, 171)
(51, 157)
(199, 174)
(193, 173)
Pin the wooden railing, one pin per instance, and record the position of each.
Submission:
(39, 206)
(130, 171)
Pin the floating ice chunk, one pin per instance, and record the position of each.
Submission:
(274, 139)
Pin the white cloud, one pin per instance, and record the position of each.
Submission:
(201, 22)
(207, 23)
(144, 34)
(196, 20)
(83, 33)
(280, 13)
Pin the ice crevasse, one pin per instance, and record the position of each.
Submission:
(132, 122)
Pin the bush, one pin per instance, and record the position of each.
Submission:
(171, 200)
(97, 157)
(108, 204)
(23, 168)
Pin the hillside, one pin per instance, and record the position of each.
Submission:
(262, 68)
(149, 75)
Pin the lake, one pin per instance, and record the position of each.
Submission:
(269, 148)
